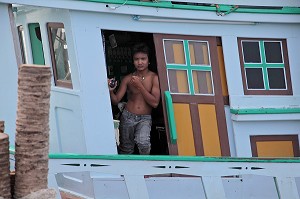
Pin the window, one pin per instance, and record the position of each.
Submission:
(264, 65)
(36, 43)
(188, 67)
(22, 44)
(59, 55)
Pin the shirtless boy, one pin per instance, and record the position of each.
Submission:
(143, 95)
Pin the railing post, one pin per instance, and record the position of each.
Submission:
(286, 188)
(136, 187)
(213, 187)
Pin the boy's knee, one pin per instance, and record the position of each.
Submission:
(144, 149)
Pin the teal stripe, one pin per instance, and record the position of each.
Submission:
(176, 67)
(168, 158)
(188, 61)
(212, 8)
(202, 68)
(263, 60)
(254, 65)
(171, 117)
(265, 111)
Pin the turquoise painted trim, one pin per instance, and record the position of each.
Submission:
(168, 158)
(252, 65)
(171, 117)
(264, 64)
(192, 67)
(223, 8)
(265, 111)
(188, 62)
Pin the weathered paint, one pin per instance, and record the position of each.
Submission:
(209, 129)
(185, 141)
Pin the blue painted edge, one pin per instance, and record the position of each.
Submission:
(167, 158)
(265, 111)
(171, 118)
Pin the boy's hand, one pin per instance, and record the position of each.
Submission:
(136, 82)
(112, 84)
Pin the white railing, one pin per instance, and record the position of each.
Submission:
(134, 168)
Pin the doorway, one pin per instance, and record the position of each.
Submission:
(117, 48)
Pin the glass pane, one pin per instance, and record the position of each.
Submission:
(178, 81)
(199, 53)
(273, 52)
(255, 78)
(61, 54)
(202, 82)
(174, 52)
(36, 43)
(276, 78)
(251, 52)
(22, 44)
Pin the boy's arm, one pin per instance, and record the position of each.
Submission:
(116, 97)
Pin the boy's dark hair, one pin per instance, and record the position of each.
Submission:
(140, 48)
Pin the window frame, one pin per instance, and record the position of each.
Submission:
(286, 67)
(57, 82)
(189, 67)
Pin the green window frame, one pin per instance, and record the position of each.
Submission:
(264, 66)
(189, 67)
(59, 55)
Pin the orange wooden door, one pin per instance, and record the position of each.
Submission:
(188, 69)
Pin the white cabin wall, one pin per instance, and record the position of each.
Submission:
(246, 129)
(238, 133)
(66, 128)
(8, 76)
(95, 100)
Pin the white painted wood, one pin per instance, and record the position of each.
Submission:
(159, 12)
(213, 187)
(8, 75)
(211, 172)
(274, 3)
(52, 183)
(266, 117)
(287, 187)
(136, 187)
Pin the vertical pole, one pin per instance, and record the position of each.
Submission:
(4, 169)
(286, 187)
(1, 126)
(32, 131)
(213, 187)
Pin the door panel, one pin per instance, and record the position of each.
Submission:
(188, 67)
(209, 129)
(185, 138)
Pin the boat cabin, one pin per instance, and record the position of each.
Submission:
(228, 72)
(231, 75)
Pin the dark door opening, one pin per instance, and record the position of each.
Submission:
(117, 47)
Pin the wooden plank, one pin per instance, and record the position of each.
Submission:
(286, 187)
(136, 187)
(213, 187)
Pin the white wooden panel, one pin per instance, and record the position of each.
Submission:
(63, 3)
(8, 76)
(136, 187)
(213, 187)
(287, 187)
(279, 3)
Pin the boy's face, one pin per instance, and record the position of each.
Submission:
(140, 61)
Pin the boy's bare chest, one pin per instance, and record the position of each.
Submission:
(146, 83)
